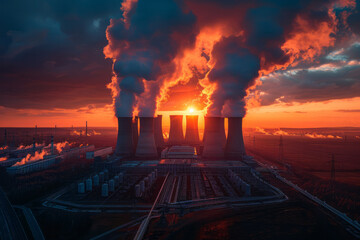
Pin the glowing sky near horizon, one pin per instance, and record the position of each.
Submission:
(53, 71)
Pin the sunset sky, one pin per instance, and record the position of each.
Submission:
(298, 61)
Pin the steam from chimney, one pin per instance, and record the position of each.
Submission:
(143, 46)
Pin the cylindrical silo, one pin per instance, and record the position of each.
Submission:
(192, 130)
(88, 185)
(146, 144)
(96, 180)
(111, 185)
(235, 148)
(81, 187)
(176, 136)
(105, 190)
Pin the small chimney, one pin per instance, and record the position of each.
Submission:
(34, 145)
(124, 145)
(192, 131)
(176, 135)
(86, 130)
(159, 138)
(146, 147)
(235, 148)
(213, 145)
(52, 145)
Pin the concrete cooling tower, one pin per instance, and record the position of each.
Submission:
(146, 147)
(192, 130)
(176, 136)
(124, 145)
(235, 148)
(159, 138)
(213, 141)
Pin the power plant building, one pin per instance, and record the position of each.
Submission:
(192, 130)
(34, 166)
(176, 136)
(146, 147)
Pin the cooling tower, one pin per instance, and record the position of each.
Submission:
(192, 131)
(124, 145)
(176, 136)
(146, 147)
(159, 138)
(135, 132)
(235, 148)
(222, 131)
(213, 145)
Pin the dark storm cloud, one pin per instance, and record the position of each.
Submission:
(312, 84)
(51, 53)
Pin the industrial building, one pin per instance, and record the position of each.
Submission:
(34, 166)
(101, 152)
(77, 152)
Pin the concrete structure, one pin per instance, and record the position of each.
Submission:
(213, 142)
(222, 131)
(176, 135)
(180, 152)
(81, 187)
(159, 138)
(105, 190)
(146, 147)
(235, 148)
(34, 166)
(101, 152)
(192, 130)
(124, 145)
(9, 162)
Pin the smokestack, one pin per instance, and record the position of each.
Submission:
(159, 138)
(192, 131)
(34, 145)
(124, 145)
(52, 145)
(135, 131)
(176, 136)
(86, 132)
(213, 145)
(235, 148)
(146, 147)
(35, 130)
(5, 138)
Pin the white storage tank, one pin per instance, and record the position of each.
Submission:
(88, 185)
(81, 187)
(111, 185)
(101, 176)
(105, 190)
(96, 180)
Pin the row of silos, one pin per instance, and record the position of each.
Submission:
(239, 183)
(145, 184)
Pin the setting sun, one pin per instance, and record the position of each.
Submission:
(191, 110)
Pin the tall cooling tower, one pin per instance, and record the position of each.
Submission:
(176, 136)
(135, 131)
(213, 142)
(159, 138)
(192, 130)
(146, 147)
(235, 148)
(124, 145)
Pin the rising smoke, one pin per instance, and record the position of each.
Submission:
(228, 45)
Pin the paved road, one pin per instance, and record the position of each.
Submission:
(11, 227)
(33, 224)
